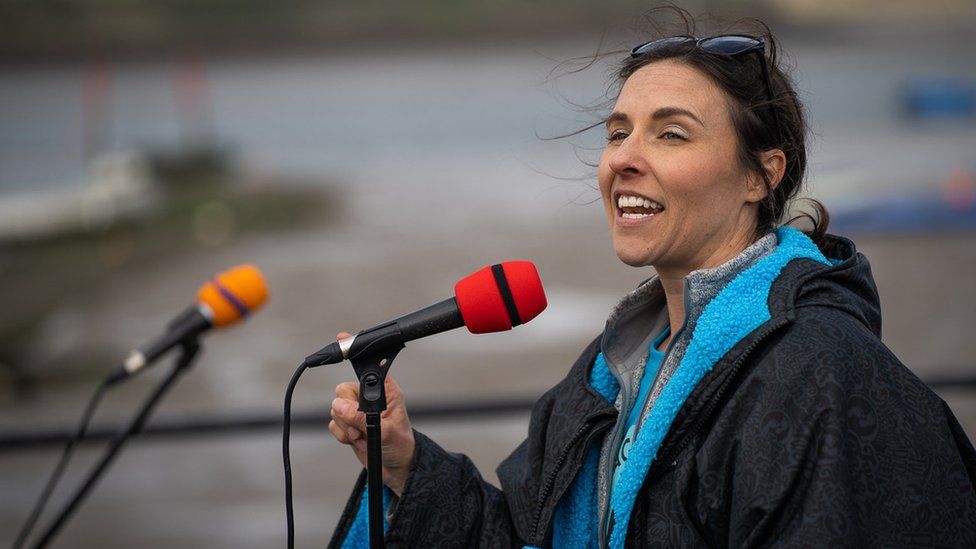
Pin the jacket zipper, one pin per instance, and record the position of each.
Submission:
(615, 435)
(551, 478)
(713, 403)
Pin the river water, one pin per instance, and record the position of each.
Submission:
(439, 170)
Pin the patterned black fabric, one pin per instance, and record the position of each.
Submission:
(808, 433)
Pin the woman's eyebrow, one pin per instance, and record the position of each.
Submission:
(616, 117)
(665, 112)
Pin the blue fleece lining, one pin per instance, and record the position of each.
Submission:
(737, 310)
(358, 535)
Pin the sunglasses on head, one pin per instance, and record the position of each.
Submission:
(728, 45)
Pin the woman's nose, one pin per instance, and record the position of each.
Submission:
(626, 158)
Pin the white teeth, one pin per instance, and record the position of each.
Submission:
(627, 201)
(626, 215)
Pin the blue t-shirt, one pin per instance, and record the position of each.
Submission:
(654, 358)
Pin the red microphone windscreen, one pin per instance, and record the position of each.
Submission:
(499, 297)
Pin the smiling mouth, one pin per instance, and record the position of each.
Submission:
(631, 206)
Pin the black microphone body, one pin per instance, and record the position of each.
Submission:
(191, 322)
(187, 325)
(439, 317)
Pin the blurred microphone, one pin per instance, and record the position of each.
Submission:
(493, 299)
(231, 296)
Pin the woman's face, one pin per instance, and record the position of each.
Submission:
(675, 193)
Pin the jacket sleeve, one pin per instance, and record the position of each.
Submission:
(840, 445)
(445, 503)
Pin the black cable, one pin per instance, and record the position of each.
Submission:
(186, 357)
(286, 454)
(86, 417)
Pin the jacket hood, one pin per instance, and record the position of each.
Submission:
(847, 284)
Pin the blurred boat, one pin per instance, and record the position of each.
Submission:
(118, 187)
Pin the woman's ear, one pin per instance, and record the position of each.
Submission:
(774, 164)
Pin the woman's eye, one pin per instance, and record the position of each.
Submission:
(671, 135)
(617, 135)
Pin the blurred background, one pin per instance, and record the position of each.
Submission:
(366, 155)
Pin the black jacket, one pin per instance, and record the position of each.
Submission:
(808, 433)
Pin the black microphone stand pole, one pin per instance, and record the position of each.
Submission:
(188, 351)
(371, 363)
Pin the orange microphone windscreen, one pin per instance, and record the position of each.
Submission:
(233, 294)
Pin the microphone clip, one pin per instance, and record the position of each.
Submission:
(371, 361)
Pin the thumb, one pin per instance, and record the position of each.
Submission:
(396, 405)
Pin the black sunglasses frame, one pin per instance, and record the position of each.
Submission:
(752, 44)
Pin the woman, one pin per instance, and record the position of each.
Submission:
(741, 397)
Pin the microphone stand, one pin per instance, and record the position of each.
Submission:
(188, 351)
(371, 364)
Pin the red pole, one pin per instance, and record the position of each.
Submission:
(96, 99)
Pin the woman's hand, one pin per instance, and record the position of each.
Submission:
(348, 426)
